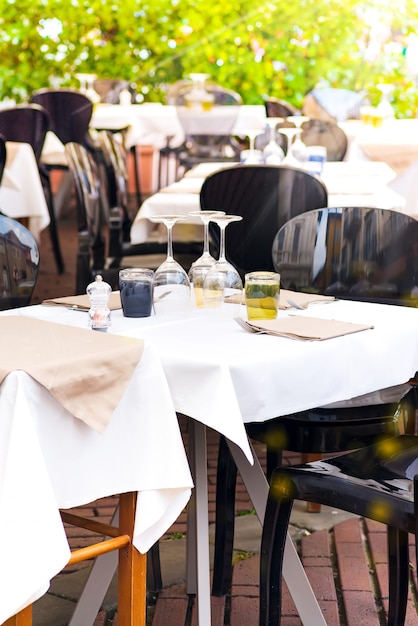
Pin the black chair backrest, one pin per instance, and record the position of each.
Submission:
(266, 196)
(328, 134)
(109, 89)
(70, 113)
(28, 123)
(19, 264)
(3, 155)
(91, 243)
(359, 253)
(279, 108)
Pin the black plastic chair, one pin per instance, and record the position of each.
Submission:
(109, 89)
(19, 264)
(29, 123)
(217, 145)
(359, 253)
(279, 108)
(365, 254)
(3, 155)
(91, 252)
(378, 482)
(266, 196)
(327, 134)
(69, 112)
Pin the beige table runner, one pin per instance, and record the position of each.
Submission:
(86, 371)
(82, 302)
(303, 328)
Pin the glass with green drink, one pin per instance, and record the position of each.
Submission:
(262, 293)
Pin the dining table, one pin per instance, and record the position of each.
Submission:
(152, 123)
(348, 184)
(222, 377)
(77, 427)
(393, 142)
(21, 193)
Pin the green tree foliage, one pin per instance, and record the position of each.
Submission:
(274, 47)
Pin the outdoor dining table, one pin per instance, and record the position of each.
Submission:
(21, 193)
(151, 123)
(76, 427)
(348, 184)
(223, 377)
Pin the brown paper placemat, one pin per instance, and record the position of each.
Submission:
(299, 298)
(304, 328)
(86, 371)
(82, 302)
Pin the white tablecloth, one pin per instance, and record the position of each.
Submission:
(50, 460)
(394, 142)
(222, 376)
(152, 123)
(348, 184)
(21, 193)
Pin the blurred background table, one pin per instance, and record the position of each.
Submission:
(21, 193)
(348, 184)
(152, 123)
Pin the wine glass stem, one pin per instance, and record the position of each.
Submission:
(206, 239)
(222, 243)
(169, 242)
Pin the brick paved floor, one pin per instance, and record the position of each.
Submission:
(346, 565)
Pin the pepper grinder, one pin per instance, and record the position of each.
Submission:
(99, 313)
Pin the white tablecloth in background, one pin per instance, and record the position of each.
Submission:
(152, 123)
(51, 460)
(21, 193)
(348, 184)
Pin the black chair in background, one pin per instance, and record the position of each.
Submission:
(109, 89)
(29, 123)
(379, 482)
(91, 251)
(365, 254)
(19, 263)
(3, 155)
(266, 196)
(327, 134)
(69, 112)
(217, 144)
(279, 108)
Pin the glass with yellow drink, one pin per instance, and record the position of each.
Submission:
(262, 292)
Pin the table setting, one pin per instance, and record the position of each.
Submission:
(256, 376)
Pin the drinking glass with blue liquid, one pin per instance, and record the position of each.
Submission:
(135, 285)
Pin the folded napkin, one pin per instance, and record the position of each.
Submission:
(288, 299)
(303, 328)
(82, 302)
(86, 371)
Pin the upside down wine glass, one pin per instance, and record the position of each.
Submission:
(171, 285)
(202, 265)
(222, 280)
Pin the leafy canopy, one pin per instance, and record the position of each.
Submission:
(275, 47)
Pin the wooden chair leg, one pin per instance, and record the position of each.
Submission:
(23, 618)
(132, 592)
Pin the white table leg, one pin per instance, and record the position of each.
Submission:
(98, 582)
(293, 572)
(198, 564)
